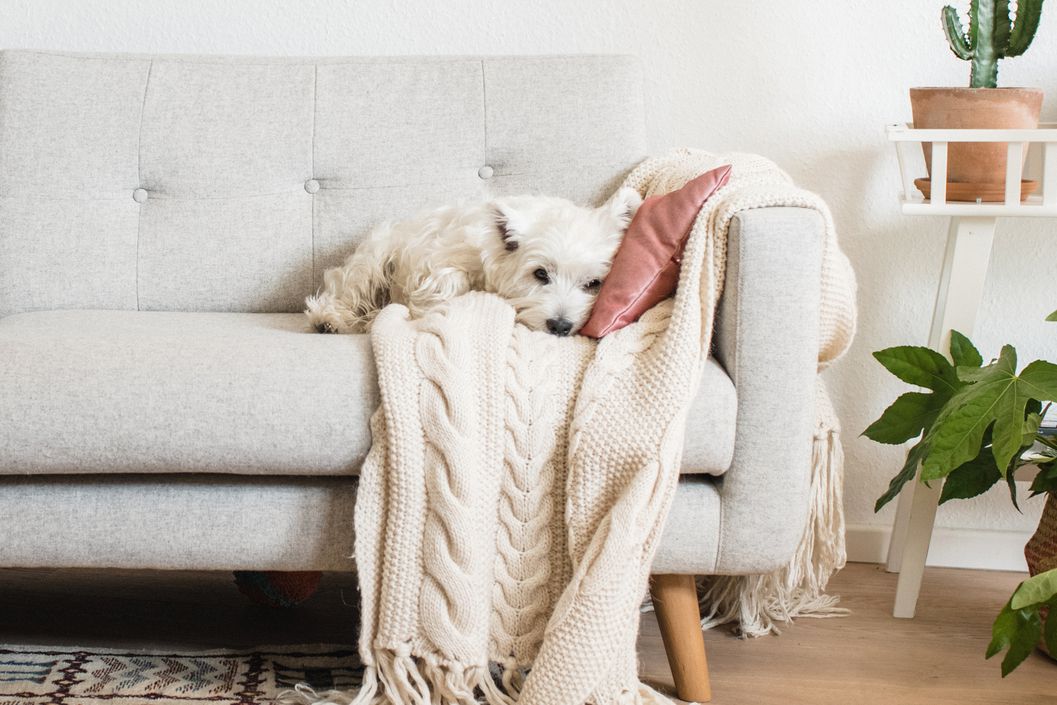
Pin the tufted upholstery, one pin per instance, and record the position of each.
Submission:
(229, 184)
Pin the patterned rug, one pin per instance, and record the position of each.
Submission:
(61, 676)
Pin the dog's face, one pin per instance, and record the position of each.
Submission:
(551, 256)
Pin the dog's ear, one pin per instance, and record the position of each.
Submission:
(506, 223)
(623, 204)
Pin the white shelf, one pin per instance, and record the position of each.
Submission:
(1046, 132)
(1032, 207)
(1036, 149)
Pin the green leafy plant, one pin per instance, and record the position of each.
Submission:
(976, 426)
(993, 34)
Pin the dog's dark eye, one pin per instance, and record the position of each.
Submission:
(593, 285)
(542, 276)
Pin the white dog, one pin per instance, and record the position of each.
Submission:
(546, 256)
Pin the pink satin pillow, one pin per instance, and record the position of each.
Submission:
(646, 267)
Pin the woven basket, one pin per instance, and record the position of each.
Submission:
(1041, 549)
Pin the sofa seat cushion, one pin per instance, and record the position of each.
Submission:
(245, 393)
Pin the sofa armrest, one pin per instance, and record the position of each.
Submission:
(767, 339)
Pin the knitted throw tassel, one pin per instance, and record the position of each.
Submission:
(757, 604)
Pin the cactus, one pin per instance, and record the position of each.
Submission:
(992, 35)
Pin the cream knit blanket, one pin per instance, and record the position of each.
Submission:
(510, 506)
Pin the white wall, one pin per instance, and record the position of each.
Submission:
(808, 83)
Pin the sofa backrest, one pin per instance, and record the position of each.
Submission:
(229, 184)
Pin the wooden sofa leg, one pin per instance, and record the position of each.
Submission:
(675, 602)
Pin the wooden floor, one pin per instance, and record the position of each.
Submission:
(866, 658)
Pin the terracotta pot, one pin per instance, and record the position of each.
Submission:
(975, 108)
(1041, 549)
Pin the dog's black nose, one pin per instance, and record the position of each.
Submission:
(559, 326)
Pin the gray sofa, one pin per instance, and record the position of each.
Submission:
(162, 402)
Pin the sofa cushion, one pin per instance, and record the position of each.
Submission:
(166, 392)
(214, 522)
(184, 183)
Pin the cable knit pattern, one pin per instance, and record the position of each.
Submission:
(448, 611)
(517, 486)
(527, 498)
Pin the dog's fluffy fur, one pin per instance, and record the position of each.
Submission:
(546, 256)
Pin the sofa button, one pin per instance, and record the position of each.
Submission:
(140, 195)
(485, 172)
(312, 186)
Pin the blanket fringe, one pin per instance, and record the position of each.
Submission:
(513, 678)
(403, 679)
(645, 695)
(758, 603)
(303, 694)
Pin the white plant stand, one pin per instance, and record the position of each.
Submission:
(962, 278)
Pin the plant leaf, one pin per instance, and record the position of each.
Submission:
(1052, 316)
(971, 479)
(1040, 379)
(910, 469)
(1035, 591)
(920, 366)
(1037, 382)
(1031, 427)
(963, 352)
(906, 418)
(1049, 631)
(1011, 483)
(1029, 631)
(1002, 631)
(995, 398)
(915, 413)
(1006, 364)
(1045, 480)
(1016, 630)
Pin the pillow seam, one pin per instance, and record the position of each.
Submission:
(634, 301)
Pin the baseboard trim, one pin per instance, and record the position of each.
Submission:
(950, 548)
